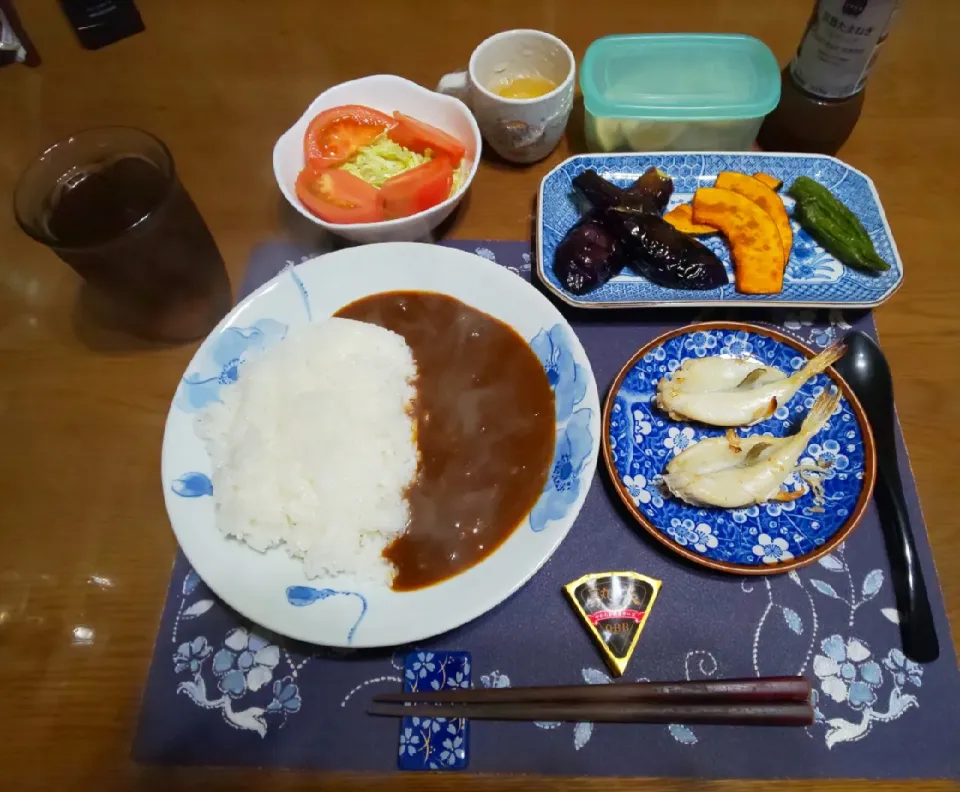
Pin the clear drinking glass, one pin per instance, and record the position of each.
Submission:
(108, 202)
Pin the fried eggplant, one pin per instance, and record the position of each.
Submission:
(647, 195)
(661, 253)
(587, 257)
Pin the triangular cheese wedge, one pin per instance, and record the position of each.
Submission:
(615, 607)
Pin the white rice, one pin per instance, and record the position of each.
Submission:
(313, 447)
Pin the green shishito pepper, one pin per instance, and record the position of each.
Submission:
(834, 226)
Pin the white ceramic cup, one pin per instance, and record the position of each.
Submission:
(519, 130)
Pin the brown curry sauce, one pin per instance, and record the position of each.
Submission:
(485, 429)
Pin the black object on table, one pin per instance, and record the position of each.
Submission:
(98, 23)
(865, 369)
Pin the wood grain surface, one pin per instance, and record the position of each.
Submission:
(86, 542)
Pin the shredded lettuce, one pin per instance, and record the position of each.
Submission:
(378, 161)
(383, 158)
(459, 176)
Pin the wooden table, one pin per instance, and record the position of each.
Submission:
(86, 538)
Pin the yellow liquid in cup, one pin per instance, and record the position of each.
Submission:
(524, 87)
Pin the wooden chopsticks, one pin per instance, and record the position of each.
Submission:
(773, 701)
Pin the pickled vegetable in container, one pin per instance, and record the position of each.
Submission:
(677, 92)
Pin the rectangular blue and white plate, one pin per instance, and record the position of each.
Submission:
(813, 278)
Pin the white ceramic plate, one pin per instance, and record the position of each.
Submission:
(271, 588)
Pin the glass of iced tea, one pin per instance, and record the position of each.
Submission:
(108, 202)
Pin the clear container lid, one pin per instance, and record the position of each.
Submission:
(680, 77)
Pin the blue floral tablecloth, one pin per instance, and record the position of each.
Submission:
(222, 691)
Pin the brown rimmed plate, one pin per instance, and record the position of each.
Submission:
(639, 441)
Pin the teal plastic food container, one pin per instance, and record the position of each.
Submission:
(677, 92)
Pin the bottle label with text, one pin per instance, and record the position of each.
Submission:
(840, 46)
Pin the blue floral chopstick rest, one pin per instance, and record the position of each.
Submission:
(434, 743)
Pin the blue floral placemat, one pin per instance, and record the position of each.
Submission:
(222, 691)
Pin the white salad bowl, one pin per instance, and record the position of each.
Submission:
(386, 93)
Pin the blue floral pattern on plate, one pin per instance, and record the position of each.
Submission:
(567, 377)
(434, 743)
(813, 277)
(227, 352)
(642, 440)
(192, 485)
(301, 596)
(568, 380)
(574, 445)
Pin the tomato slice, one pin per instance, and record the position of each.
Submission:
(418, 136)
(334, 135)
(417, 189)
(339, 197)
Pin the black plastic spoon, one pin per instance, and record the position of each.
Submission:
(865, 369)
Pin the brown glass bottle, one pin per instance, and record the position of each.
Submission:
(823, 88)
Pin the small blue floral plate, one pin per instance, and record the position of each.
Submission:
(813, 278)
(271, 588)
(769, 538)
